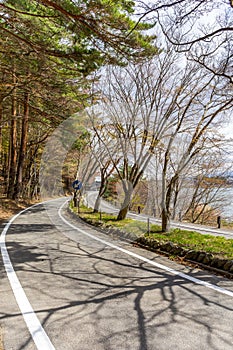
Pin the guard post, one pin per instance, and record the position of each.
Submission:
(75, 198)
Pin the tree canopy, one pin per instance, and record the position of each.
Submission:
(48, 52)
(87, 32)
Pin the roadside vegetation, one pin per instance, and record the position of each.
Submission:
(218, 246)
(146, 94)
(160, 77)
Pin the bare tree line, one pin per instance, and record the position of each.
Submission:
(166, 110)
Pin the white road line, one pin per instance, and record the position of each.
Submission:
(160, 266)
(38, 333)
(188, 226)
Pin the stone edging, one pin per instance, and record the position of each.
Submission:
(201, 258)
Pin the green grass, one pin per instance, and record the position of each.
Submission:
(218, 246)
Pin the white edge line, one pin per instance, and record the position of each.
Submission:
(151, 262)
(38, 333)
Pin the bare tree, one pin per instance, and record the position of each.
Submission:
(139, 106)
(148, 108)
(197, 116)
(202, 28)
(106, 164)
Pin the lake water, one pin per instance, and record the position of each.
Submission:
(227, 211)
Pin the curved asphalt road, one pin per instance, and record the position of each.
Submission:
(90, 294)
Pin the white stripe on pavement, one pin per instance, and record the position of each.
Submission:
(160, 266)
(38, 333)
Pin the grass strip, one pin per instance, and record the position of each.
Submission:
(217, 245)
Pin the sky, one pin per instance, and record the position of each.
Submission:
(227, 130)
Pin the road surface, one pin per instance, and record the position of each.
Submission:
(85, 290)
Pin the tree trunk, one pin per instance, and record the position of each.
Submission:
(125, 206)
(165, 213)
(13, 150)
(1, 113)
(23, 149)
(165, 221)
(122, 213)
(102, 189)
(176, 193)
(97, 204)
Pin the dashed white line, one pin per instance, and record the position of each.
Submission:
(137, 256)
(38, 333)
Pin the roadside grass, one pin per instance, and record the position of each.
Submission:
(217, 245)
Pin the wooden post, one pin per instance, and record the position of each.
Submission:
(148, 225)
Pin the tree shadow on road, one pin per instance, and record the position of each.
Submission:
(125, 304)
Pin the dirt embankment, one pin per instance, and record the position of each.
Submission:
(9, 207)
